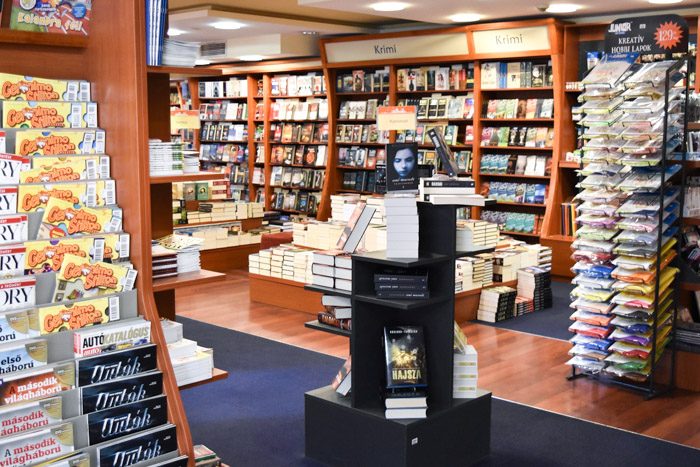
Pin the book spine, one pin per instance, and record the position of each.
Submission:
(327, 318)
(402, 294)
(447, 183)
(394, 279)
(403, 286)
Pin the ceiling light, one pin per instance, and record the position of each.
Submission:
(562, 8)
(665, 2)
(202, 61)
(227, 25)
(389, 6)
(465, 17)
(172, 32)
(251, 58)
(309, 33)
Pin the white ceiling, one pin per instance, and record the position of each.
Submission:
(438, 11)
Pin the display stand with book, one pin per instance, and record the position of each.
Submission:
(456, 431)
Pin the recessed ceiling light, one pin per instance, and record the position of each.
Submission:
(172, 32)
(309, 33)
(227, 25)
(465, 17)
(389, 6)
(562, 8)
(202, 61)
(251, 58)
(665, 2)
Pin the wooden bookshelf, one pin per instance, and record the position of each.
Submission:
(217, 375)
(184, 71)
(198, 177)
(28, 38)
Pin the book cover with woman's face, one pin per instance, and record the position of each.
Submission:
(402, 167)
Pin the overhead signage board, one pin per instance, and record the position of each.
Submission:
(659, 34)
(504, 41)
(392, 48)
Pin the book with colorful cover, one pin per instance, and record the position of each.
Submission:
(59, 142)
(44, 382)
(20, 418)
(28, 88)
(58, 17)
(52, 169)
(62, 218)
(74, 316)
(97, 193)
(80, 278)
(37, 446)
(49, 114)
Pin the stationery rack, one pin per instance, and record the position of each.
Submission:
(626, 350)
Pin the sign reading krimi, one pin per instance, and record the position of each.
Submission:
(390, 48)
(500, 41)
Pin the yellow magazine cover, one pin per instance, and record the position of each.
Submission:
(62, 218)
(79, 278)
(27, 88)
(77, 315)
(59, 142)
(50, 169)
(96, 193)
(117, 247)
(47, 255)
(32, 114)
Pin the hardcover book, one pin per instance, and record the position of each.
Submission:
(94, 341)
(19, 418)
(38, 384)
(120, 392)
(37, 446)
(79, 278)
(21, 356)
(115, 365)
(138, 448)
(405, 357)
(127, 419)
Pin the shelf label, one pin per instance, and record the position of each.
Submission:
(390, 48)
(660, 34)
(396, 117)
(184, 120)
(499, 41)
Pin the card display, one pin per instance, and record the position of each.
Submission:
(75, 316)
(88, 342)
(120, 392)
(37, 446)
(138, 448)
(23, 355)
(115, 365)
(79, 278)
(46, 381)
(18, 418)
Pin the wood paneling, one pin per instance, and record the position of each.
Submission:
(225, 259)
(284, 293)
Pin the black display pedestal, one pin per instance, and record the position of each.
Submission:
(354, 430)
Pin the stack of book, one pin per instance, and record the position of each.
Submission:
(377, 202)
(338, 312)
(464, 275)
(259, 263)
(375, 238)
(342, 206)
(476, 235)
(401, 213)
(164, 261)
(401, 285)
(205, 457)
(535, 285)
(465, 372)
(440, 190)
(506, 264)
(317, 234)
(296, 265)
(406, 372)
(484, 269)
(333, 269)
(496, 304)
(191, 363)
(187, 249)
(165, 158)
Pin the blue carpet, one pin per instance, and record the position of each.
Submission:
(553, 322)
(256, 416)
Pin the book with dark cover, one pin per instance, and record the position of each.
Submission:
(403, 294)
(132, 418)
(120, 392)
(397, 278)
(452, 183)
(138, 448)
(405, 358)
(401, 286)
(181, 461)
(402, 167)
(113, 365)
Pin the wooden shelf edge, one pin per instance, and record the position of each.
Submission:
(9, 36)
(183, 70)
(558, 238)
(318, 326)
(187, 280)
(217, 375)
(276, 280)
(198, 177)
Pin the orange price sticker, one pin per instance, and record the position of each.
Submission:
(668, 35)
(396, 117)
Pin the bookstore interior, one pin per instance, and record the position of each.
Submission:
(363, 234)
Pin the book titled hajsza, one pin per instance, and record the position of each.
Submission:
(405, 357)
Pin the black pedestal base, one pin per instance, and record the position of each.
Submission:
(337, 434)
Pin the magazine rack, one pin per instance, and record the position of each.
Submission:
(670, 143)
(456, 431)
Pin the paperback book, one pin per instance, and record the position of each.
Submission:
(138, 448)
(27, 88)
(14, 326)
(405, 357)
(59, 142)
(62, 218)
(17, 293)
(14, 228)
(32, 114)
(52, 169)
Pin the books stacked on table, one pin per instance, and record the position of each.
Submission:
(164, 261)
(441, 190)
(165, 158)
(401, 213)
(338, 312)
(535, 284)
(342, 206)
(496, 304)
(484, 269)
(401, 285)
(296, 265)
(377, 202)
(476, 235)
(506, 264)
(205, 457)
(544, 257)
(187, 249)
(464, 275)
(465, 372)
(191, 363)
(406, 372)
(333, 269)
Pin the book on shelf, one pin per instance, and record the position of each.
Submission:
(355, 228)
(342, 381)
(406, 371)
